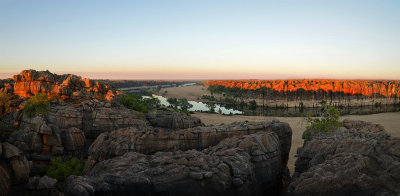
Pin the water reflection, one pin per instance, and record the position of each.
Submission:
(202, 107)
(277, 111)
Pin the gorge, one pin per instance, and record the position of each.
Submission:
(165, 152)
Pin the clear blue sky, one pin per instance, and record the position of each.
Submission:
(202, 39)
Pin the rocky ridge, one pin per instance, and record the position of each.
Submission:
(67, 86)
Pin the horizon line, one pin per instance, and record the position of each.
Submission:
(196, 76)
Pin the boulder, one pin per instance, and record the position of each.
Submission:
(14, 167)
(241, 165)
(173, 120)
(357, 159)
(73, 139)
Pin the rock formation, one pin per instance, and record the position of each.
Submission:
(30, 82)
(311, 92)
(173, 120)
(357, 159)
(241, 165)
(151, 140)
(14, 168)
(69, 129)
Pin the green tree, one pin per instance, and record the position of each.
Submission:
(184, 104)
(173, 102)
(211, 107)
(179, 104)
(328, 121)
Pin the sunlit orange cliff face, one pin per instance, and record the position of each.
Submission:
(368, 88)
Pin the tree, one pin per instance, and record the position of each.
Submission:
(179, 104)
(328, 121)
(211, 107)
(173, 102)
(184, 104)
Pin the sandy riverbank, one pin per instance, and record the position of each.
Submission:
(391, 122)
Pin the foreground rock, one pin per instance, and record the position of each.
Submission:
(173, 120)
(358, 159)
(151, 140)
(241, 165)
(14, 168)
(69, 129)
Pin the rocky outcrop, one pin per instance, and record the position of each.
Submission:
(357, 159)
(241, 165)
(68, 86)
(69, 129)
(151, 140)
(14, 167)
(173, 120)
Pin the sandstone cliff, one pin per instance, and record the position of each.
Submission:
(68, 86)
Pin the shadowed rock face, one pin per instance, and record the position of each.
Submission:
(358, 159)
(94, 117)
(241, 165)
(14, 168)
(31, 82)
(151, 140)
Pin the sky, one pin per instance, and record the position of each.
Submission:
(207, 39)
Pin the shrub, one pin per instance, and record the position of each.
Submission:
(133, 102)
(150, 103)
(327, 122)
(37, 105)
(60, 169)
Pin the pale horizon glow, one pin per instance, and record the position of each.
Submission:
(202, 39)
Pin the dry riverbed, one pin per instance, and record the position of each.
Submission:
(391, 122)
